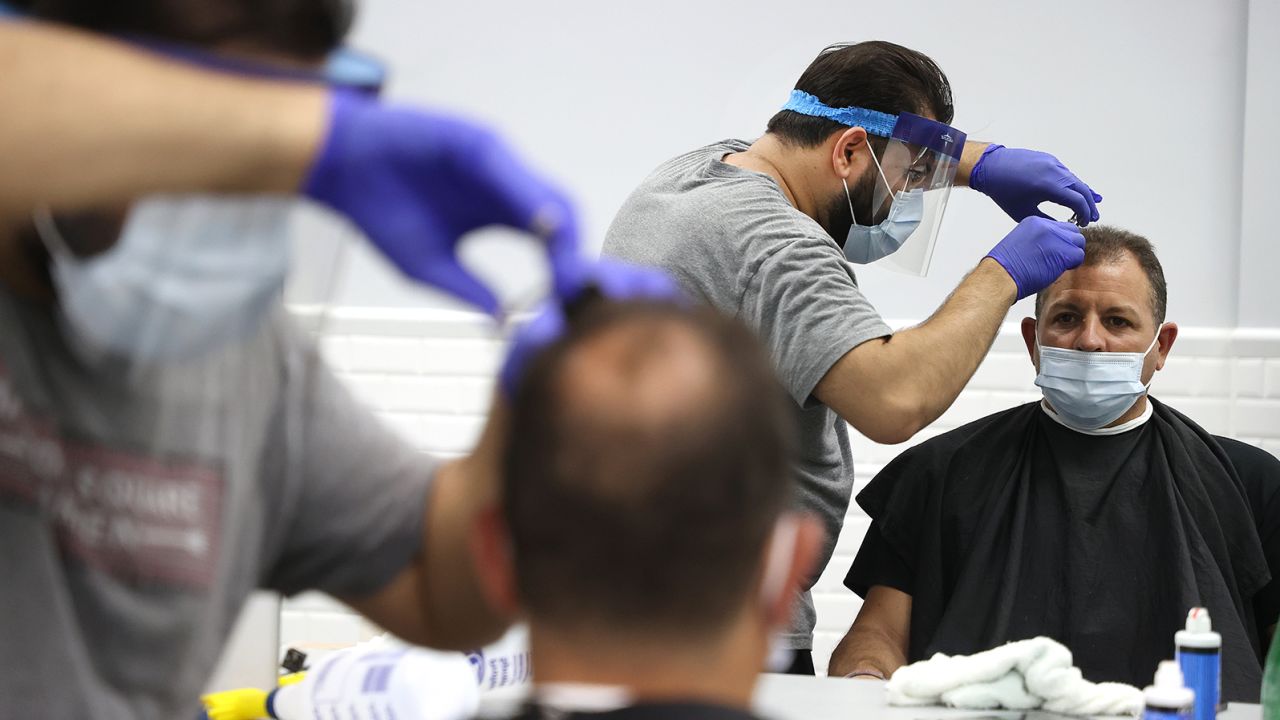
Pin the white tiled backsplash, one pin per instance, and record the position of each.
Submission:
(430, 375)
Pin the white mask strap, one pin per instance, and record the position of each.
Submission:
(853, 216)
(871, 151)
(1154, 340)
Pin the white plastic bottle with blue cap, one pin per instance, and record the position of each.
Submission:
(1200, 659)
(1167, 698)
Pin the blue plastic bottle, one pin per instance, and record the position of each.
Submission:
(1200, 659)
(1167, 698)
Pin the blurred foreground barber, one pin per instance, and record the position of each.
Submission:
(856, 167)
(169, 440)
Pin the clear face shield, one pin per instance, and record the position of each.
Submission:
(916, 172)
(176, 278)
(915, 175)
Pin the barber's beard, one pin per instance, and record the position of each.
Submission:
(861, 192)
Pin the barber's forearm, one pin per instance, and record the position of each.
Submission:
(891, 388)
(933, 361)
(90, 122)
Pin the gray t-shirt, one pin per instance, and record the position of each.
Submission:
(139, 509)
(730, 237)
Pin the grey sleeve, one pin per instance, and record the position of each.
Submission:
(352, 494)
(804, 302)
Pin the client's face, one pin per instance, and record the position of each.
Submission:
(1102, 308)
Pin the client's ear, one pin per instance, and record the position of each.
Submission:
(1029, 337)
(495, 568)
(1167, 335)
(798, 565)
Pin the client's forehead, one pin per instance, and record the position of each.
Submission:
(1118, 282)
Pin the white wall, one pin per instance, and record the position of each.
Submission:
(1143, 99)
(1259, 252)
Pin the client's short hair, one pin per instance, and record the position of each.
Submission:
(1107, 244)
(648, 461)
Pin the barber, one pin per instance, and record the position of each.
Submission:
(855, 168)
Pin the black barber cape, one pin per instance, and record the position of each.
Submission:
(1014, 526)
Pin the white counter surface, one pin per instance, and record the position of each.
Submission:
(792, 697)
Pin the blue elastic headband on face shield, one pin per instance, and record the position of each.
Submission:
(907, 127)
(873, 121)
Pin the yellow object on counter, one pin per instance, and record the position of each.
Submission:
(239, 704)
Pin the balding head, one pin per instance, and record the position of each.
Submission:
(647, 465)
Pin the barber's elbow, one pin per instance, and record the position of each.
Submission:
(890, 435)
(895, 418)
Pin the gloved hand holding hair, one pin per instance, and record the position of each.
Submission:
(1019, 180)
(416, 182)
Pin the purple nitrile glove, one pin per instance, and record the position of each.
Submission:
(1019, 180)
(612, 279)
(416, 182)
(1037, 251)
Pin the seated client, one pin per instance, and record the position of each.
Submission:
(1098, 516)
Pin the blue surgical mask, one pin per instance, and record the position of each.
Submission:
(187, 274)
(1090, 390)
(866, 244)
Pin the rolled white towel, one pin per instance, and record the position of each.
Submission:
(1021, 675)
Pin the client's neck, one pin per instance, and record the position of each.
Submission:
(718, 670)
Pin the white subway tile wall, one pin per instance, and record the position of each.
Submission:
(430, 376)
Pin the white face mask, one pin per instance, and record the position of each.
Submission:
(188, 274)
(1089, 390)
(866, 244)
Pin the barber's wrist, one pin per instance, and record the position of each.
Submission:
(1000, 280)
(295, 122)
(969, 157)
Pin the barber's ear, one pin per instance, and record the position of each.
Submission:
(1029, 337)
(801, 570)
(1168, 334)
(495, 568)
(847, 159)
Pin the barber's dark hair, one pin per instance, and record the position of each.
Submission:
(1107, 244)
(628, 523)
(876, 75)
(305, 28)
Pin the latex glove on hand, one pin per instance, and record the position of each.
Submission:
(1019, 180)
(416, 182)
(613, 280)
(1037, 251)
